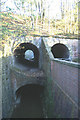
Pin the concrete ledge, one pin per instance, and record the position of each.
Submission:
(70, 63)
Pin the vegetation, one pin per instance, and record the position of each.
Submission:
(34, 20)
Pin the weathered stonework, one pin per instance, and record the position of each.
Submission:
(7, 102)
(60, 98)
(62, 82)
(7, 97)
(28, 77)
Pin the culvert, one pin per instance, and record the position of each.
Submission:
(30, 102)
(27, 54)
(60, 51)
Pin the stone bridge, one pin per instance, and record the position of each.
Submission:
(49, 66)
(25, 71)
(21, 78)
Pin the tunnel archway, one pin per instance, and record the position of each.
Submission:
(29, 88)
(30, 105)
(20, 51)
(60, 51)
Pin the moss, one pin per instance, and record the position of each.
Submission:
(48, 100)
(76, 60)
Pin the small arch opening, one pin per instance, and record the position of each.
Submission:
(27, 54)
(30, 106)
(60, 51)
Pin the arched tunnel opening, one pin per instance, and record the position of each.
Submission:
(60, 51)
(27, 54)
(30, 105)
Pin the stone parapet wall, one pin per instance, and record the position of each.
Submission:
(65, 89)
(67, 78)
(48, 98)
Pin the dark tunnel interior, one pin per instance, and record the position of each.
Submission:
(60, 51)
(30, 102)
(19, 54)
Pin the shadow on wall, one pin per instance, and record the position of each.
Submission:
(30, 105)
(60, 51)
(25, 51)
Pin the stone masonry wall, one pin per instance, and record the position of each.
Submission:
(62, 82)
(65, 89)
(48, 102)
(7, 105)
(61, 98)
(20, 78)
(72, 45)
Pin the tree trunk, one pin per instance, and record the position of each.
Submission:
(37, 15)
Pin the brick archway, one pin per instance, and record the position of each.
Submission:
(19, 54)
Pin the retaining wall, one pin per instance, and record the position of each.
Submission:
(7, 96)
(62, 85)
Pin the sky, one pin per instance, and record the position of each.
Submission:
(55, 8)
